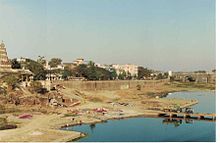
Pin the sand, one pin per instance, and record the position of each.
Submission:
(44, 127)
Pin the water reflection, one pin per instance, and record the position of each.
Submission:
(189, 121)
(176, 122)
(92, 127)
(157, 129)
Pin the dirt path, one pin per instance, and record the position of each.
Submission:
(38, 130)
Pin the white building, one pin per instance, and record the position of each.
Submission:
(128, 68)
(58, 67)
(79, 61)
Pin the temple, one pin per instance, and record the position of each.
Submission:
(26, 75)
(4, 61)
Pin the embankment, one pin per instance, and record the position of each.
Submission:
(108, 85)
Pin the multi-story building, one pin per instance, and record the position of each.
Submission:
(128, 68)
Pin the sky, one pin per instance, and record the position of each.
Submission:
(176, 35)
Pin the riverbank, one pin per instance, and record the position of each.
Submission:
(95, 107)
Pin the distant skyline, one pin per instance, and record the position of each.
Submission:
(176, 35)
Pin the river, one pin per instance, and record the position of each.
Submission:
(156, 129)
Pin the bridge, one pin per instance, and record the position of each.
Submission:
(196, 116)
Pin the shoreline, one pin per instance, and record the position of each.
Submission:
(54, 129)
(153, 114)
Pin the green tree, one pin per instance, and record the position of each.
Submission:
(54, 62)
(15, 64)
(36, 68)
(113, 74)
(41, 60)
(92, 72)
(144, 72)
(66, 73)
(81, 70)
(122, 75)
(91, 64)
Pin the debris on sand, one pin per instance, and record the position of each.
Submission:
(25, 116)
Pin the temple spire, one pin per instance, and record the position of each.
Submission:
(4, 61)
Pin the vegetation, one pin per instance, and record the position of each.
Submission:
(5, 125)
(54, 62)
(162, 76)
(2, 109)
(208, 86)
(91, 72)
(122, 75)
(200, 71)
(36, 68)
(143, 73)
(11, 80)
(41, 60)
(15, 64)
(35, 86)
(95, 99)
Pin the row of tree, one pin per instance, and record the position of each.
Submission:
(88, 71)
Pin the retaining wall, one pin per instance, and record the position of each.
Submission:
(107, 85)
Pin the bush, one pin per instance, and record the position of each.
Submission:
(3, 91)
(2, 110)
(35, 86)
(12, 80)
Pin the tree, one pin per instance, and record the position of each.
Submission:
(81, 70)
(41, 60)
(200, 71)
(92, 72)
(159, 76)
(128, 76)
(66, 73)
(122, 75)
(36, 68)
(91, 64)
(113, 74)
(15, 64)
(144, 72)
(54, 62)
(41, 75)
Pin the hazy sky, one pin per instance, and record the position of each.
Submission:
(160, 34)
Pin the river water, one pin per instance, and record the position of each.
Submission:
(156, 129)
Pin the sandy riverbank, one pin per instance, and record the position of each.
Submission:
(47, 121)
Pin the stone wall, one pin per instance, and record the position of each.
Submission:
(107, 85)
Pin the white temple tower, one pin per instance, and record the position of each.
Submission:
(4, 61)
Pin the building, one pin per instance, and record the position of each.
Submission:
(128, 68)
(104, 66)
(4, 61)
(58, 67)
(26, 76)
(79, 61)
(69, 65)
(206, 77)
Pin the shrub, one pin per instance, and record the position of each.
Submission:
(35, 86)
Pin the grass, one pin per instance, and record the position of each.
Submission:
(95, 99)
(70, 115)
(5, 125)
(195, 85)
